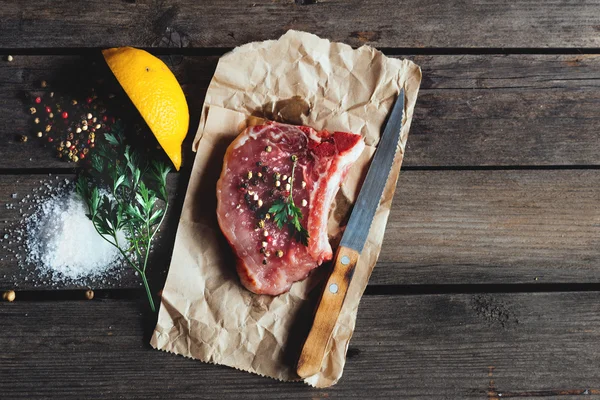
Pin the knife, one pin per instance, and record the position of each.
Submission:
(351, 245)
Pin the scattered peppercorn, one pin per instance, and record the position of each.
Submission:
(9, 296)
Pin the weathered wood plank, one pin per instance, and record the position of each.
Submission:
(513, 226)
(472, 110)
(418, 347)
(221, 23)
(446, 227)
(15, 206)
(70, 76)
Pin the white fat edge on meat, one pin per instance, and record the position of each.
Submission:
(344, 162)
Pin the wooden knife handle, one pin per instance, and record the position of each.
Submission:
(327, 312)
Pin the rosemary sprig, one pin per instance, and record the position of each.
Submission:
(133, 206)
(285, 212)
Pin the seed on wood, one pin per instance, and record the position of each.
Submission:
(32, 110)
(89, 294)
(9, 296)
(37, 120)
(9, 58)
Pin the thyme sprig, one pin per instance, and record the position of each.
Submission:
(132, 203)
(285, 212)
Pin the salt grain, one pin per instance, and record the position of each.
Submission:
(62, 241)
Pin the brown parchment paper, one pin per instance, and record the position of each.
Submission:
(205, 312)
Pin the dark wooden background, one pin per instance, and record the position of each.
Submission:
(488, 284)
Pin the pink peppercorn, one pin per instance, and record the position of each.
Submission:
(81, 156)
(65, 115)
(38, 100)
(48, 109)
(89, 100)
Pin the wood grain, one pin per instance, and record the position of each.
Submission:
(404, 347)
(472, 110)
(221, 23)
(445, 227)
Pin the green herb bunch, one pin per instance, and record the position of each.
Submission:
(285, 211)
(135, 203)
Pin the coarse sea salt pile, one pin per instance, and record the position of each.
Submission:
(62, 242)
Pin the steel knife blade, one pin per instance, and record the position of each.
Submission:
(352, 244)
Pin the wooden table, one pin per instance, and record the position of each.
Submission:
(488, 284)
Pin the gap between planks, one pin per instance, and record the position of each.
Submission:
(390, 51)
(371, 290)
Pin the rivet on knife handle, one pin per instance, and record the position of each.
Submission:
(327, 312)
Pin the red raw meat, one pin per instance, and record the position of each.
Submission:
(270, 259)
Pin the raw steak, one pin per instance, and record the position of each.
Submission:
(255, 175)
